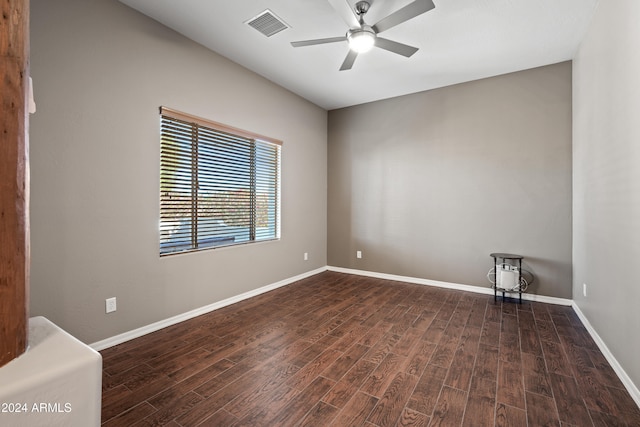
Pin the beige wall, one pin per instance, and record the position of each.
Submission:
(100, 71)
(606, 191)
(428, 185)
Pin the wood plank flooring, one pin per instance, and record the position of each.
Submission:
(343, 350)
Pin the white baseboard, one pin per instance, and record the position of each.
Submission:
(630, 386)
(449, 285)
(119, 339)
(126, 336)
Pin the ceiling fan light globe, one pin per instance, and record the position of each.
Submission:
(361, 40)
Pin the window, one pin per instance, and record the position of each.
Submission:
(219, 186)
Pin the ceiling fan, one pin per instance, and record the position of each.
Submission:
(362, 37)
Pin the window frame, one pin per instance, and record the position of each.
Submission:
(189, 239)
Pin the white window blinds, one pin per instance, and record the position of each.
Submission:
(219, 186)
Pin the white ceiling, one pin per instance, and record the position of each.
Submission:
(459, 41)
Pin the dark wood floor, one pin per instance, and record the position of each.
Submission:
(343, 350)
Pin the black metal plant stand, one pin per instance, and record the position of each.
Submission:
(505, 257)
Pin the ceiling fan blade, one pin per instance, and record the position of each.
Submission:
(395, 47)
(346, 13)
(349, 60)
(318, 41)
(408, 12)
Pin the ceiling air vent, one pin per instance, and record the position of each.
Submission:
(267, 23)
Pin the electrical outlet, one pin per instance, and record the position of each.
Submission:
(306, 256)
(358, 254)
(110, 305)
(584, 289)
